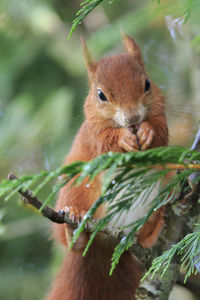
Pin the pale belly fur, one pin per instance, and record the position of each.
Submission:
(137, 210)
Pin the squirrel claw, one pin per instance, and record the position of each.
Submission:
(128, 140)
(146, 135)
(75, 214)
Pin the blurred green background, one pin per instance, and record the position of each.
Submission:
(43, 84)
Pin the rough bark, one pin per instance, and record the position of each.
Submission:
(180, 218)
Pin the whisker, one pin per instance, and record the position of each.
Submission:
(175, 95)
(78, 116)
(179, 113)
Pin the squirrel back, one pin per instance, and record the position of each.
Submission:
(124, 111)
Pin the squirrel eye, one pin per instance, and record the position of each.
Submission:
(102, 97)
(147, 85)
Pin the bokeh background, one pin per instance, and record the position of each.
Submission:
(43, 84)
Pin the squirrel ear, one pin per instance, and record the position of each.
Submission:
(132, 48)
(89, 61)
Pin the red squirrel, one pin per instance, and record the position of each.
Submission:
(124, 112)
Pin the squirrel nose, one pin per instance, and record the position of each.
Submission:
(133, 120)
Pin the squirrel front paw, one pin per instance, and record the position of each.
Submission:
(75, 214)
(145, 135)
(127, 140)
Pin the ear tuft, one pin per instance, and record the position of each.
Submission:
(89, 61)
(132, 48)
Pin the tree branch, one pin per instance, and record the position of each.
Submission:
(61, 216)
(179, 219)
(57, 217)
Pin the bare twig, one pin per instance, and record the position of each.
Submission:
(57, 217)
(196, 144)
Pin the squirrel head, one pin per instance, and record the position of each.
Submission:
(120, 91)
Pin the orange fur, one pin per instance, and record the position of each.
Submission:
(88, 278)
(148, 234)
(109, 126)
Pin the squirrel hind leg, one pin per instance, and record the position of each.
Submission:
(149, 233)
(81, 242)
